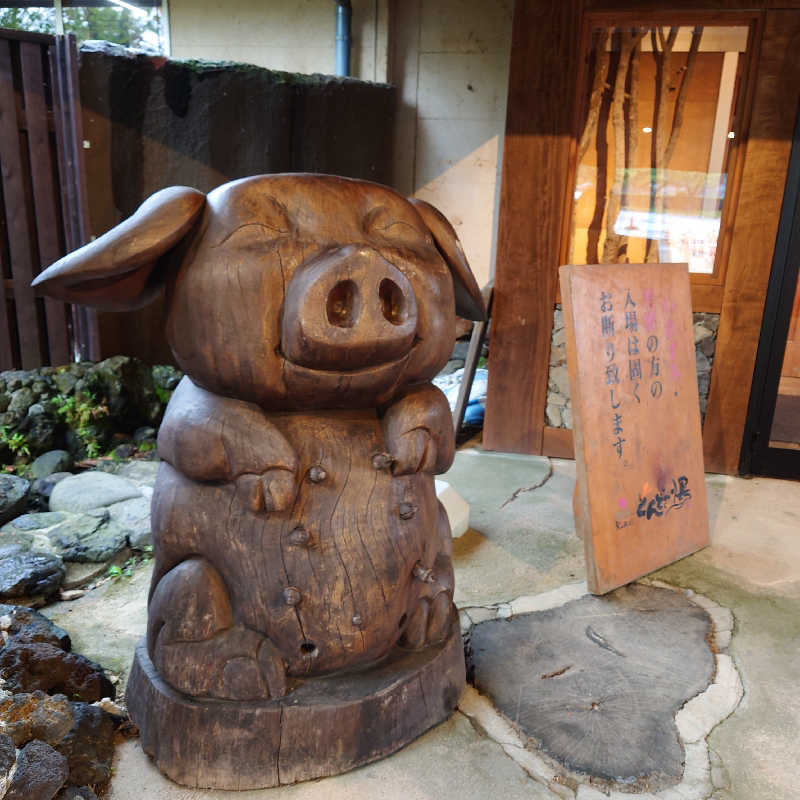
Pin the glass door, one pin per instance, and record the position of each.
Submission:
(772, 436)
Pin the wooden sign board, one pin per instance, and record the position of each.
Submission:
(640, 500)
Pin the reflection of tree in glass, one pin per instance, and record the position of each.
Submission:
(40, 20)
(614, 97)
(664, 140)
(111, 24)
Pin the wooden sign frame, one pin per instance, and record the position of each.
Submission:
(640, 500)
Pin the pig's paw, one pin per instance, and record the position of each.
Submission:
(273, 490)
(413, 451)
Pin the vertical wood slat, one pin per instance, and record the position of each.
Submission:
(19, 229)
(539, 133)
(777, 93)
(69, 138)
(44, 192)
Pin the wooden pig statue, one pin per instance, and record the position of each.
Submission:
(301, 617)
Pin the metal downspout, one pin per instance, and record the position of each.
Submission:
(343, 13)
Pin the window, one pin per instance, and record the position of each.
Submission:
(658, 128)
(135, 23)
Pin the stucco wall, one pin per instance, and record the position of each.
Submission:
(448, 58)
(450, 62)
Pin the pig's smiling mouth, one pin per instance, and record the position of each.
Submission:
(378, 371)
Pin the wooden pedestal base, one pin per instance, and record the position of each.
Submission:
(324, 726)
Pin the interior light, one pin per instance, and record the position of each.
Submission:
(731, 135)
(647, 130)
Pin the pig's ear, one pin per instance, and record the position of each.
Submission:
(469, 302)
(124, 268)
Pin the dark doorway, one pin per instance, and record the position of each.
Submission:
(772, 435)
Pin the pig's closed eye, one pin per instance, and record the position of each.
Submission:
(254, 233)
(381, 222)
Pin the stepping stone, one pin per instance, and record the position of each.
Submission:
(596, 683)
(91, 490)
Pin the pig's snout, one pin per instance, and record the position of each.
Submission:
(348, 309)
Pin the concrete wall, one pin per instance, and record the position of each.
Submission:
(448, 58)
(292, 35)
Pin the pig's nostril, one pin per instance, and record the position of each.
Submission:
(343, 304)
(393, 302)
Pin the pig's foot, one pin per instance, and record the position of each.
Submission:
(431, 617)
(195, 645)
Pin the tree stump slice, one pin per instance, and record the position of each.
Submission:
(324, 726)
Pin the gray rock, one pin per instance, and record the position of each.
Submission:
(21, 400)
(144, 434)
(29, 574)
(566, 417)
(703, 364)
(133, 517)
(8, 756)
(559, 378)
(42, 488)
(89, 745)
(38, 520)
(75, 793)
(126, 385)
(26, 625)
(41, 772)
(559, 337)
(13, 496)
(65, 381)
(90, 537)
(707, 347)
(39, 666)
(50, 462)
(91, 490)
(141, 473)
(36, 715)
(41, 430)
(701, 332)
(556, 399)
(553, 416)
(558, 354)
(166, 377)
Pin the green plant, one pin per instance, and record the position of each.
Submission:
(146, 447)
(126, 570)
(82, 412)
(16, 442)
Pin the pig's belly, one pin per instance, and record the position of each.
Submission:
(340, 598)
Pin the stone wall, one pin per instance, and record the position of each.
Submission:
(558, 412)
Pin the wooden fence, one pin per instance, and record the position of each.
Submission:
(43, 208)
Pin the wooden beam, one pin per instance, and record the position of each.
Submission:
(540, 134)
(777, 93)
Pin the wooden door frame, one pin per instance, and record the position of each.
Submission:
(528, 255)
(757, 455)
